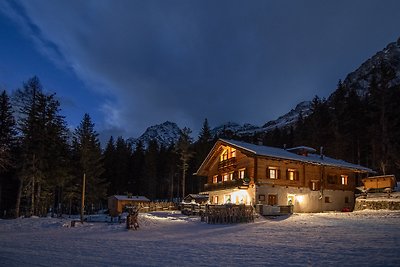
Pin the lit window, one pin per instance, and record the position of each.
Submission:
(228, 153)
(224, 155)
(291, 174)
(215, 199)
(272, 173)
(344, 179)
(231, 176)
(225, 176)
(233, 153)
(215, 179)
(314, 185)
(241, 173)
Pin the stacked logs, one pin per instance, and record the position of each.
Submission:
(229, 213)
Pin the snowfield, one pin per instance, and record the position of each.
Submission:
(367, 238)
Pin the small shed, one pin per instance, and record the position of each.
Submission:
(198, 198)
(379, 183)
(117, 203)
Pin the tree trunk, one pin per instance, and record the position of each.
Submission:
(183, 182)
(18, 200)
(39, 203)
(1, 190)
(33, 196)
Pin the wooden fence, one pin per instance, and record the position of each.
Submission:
(157, 206)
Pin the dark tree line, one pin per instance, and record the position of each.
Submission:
(359, 128)
(42, 162)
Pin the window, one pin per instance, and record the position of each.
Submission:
(233, 153)
(292, 175)
(261, 197)
(314, 185)
(332, 179)
(224, 155)
(215, 199)
(225, 177)
(346, 200)
(273, 173)
(228, 153)
(231, 176)
(272, 200)
(344, 179)
(327, 200)
(215, 179)
(227, 199)
(241, 173)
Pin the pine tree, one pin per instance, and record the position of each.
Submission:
(7, 143)
(201, 149)
(44, 148)
(151, 170)
(123, 154)
(205, 133)
(109, 166)
(7, 132)
(89, 162)
(185, 154)
(138, 178)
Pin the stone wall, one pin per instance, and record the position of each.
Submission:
(377, 204)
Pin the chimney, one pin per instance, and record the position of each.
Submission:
(321, 151)
(259, 141)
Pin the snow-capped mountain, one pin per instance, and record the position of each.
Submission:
(284, 121)
(290, 118)
(361, 78)
(165, 134)
(234, 128)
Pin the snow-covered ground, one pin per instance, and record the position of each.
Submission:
(364, 238)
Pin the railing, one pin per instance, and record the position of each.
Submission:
(226, 185)
(228, 163)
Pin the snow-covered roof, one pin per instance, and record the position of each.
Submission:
(197, 196)
(285, 154)
(131, 198)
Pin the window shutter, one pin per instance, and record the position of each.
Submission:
(287, 174)
(297, 176)
(278, 174)
(267, 173)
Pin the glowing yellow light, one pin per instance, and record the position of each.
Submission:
(240, 197)
(299, 198)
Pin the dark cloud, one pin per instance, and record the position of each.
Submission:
(243, 61)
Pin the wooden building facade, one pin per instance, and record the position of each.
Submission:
(117, 203)
(243, 173)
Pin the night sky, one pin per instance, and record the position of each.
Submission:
(132, 64)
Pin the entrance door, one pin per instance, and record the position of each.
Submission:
(290, 199)
(272, 200)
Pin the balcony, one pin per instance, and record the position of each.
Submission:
(227, 164)
(240, 183)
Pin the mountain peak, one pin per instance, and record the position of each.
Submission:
(361, 78)
(165, 134)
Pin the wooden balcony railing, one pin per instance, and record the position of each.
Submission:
(227, 164)
(227, 185)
